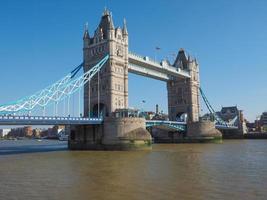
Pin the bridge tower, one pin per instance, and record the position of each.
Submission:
(108, 90)
(183, 93)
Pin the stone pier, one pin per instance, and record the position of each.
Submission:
(202, 131)
(113, 134)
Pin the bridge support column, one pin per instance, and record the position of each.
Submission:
(183, 101)
(183, 93)
(202, 131)
(113, 134)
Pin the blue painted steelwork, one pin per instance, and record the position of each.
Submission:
(54, 93)
(182, 126)
(226, 127)
(178, 126)
(219, 123)
(40, 120)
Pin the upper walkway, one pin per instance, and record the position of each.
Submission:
(145, 66)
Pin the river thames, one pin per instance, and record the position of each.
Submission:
(235, 169)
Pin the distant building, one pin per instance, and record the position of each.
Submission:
(27, 131)
(55, 130)
(251, 126)
(16, 132)
(36, 132)
(229, 113)
(21, 132)
(263, 121)
(4, 132)
(159, 115)
(149, 115)
(258, 125)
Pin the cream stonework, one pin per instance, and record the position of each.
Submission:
(113, 77)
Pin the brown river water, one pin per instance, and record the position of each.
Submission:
(235, 169)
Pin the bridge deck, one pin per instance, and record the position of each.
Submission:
(41, 120)
(37, 120)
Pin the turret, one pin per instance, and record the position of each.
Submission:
(124, 29)
(86, 36)
(106, 24)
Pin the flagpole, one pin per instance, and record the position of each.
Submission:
(156, 49)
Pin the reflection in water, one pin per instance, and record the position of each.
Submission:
(235, 169)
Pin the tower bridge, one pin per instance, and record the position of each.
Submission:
(106, 64)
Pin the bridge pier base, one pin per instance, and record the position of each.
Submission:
(202, 131)
(113, 134)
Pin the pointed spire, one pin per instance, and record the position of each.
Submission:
(124, 29)
(86, 26)
(86, 33)
(106, 11)
(189, 58)
(111, 24)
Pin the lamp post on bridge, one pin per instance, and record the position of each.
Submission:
(142, 106)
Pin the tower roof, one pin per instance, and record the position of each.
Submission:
(181, 59)
(106, 22)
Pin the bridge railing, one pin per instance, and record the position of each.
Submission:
(147, 59)
(42, 118)
(179, 126)
(166, 122)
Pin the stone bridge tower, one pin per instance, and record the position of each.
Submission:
(113, 77)
(183, 93)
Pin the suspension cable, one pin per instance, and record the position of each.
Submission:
(98, 95)
(79, 102)
(210, 108)
(57, 92)
(69, 105)
(89, 99)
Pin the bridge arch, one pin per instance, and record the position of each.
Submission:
(181, 117)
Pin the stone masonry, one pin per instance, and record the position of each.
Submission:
(113, 77)
(183, 93)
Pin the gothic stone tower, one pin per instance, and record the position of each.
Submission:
(113, 77)
(183, 93)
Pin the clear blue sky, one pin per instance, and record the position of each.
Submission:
(42, 40)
